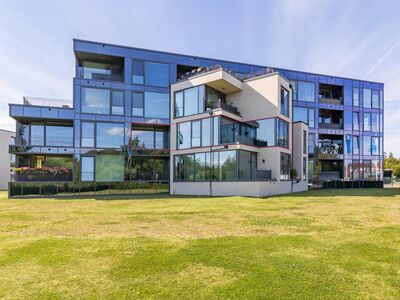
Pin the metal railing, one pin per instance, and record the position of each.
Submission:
(40, 101)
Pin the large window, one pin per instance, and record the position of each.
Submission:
(367, 169)
(196, 133)
(304, 142)
(156, 74)
(285, 166)
(356, 145)
(348, 139)
(311, 143)
(149, 138)
(206, 132)
(87, 139)
(284, 102)
(356, 169)
(156, 105)
(375, 145)
(59, 136)
(367, 98)
(109, 168)
(367, 145)
(348, 120)
(137, 104)
(356, 96)
(117, 103)
(375, 122)
(356, 121)
(137, 72)
(87, 168)
(305, 115)
(231, 165)
(375, 99)
(37, 135)
(367, 121)
(306, 91)
(95, 101)
(184, 135)
(109, 135)
(190, 101)
(283, 134)
(266, 132)
(147, 168)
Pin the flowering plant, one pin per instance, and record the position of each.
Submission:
(44, 170)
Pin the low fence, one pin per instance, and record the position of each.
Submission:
(69, 189)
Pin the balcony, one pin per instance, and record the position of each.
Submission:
(330, 94)
(330, 148)
(26, 149)
(330, 125)
(49, 102)
(219, 104)
(330, 119)
(100, 67)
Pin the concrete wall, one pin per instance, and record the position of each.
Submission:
(298, 150)
(238, 188)
(5, 157)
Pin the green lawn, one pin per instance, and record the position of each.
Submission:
(322, 244)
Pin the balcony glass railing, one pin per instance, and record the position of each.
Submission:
(39, 101)
(99, 74)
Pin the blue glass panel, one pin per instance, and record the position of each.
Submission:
(156, 74)
(109, 135)
(156, 105)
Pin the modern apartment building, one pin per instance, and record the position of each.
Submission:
(117, 134)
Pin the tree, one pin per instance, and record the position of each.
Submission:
(393, 163)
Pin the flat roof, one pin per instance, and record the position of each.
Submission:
(222, 60)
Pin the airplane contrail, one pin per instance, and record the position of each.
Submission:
(381, 59)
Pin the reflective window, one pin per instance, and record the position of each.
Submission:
(348, 140)
(367, 98)
(196, 133)
(367, 169)
(95, 101)
(137, 72)
(304, 142)
(294, 89)
(367, 121)
(375, 145)
(305, 115)
(227, 165)
(375, 122)
(202, 166)
(137, 104)
(87, 168)
(87, 139)
(311, 118)
(184, 135)
(367, 145)
(143, 138)
(285, 166)
(284, 102)
(311, 143)
(216, 136)
(283, 134)
(156, 105)
(300, 114)
(109, 135)
(356, 145)
(206, 132)
(305, 91)
(37, 135)
(179, 104)
(59, 136)
(356, 96)
(375, 99)
(188, 161)
(356, 121)
(247, 165)
(161, 139)
(109, 168)
(156, 74)
(117, 106)
(356, 169)
(266, 132)
(191, 106)
(348, 120)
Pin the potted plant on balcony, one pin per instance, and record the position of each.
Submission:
(209, 104)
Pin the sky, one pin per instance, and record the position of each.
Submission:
(355, 39)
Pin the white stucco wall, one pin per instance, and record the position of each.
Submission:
(5, 157)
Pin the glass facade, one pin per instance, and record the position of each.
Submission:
(228, 165)
(109, 106)
(284, 102)
(285, 166)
